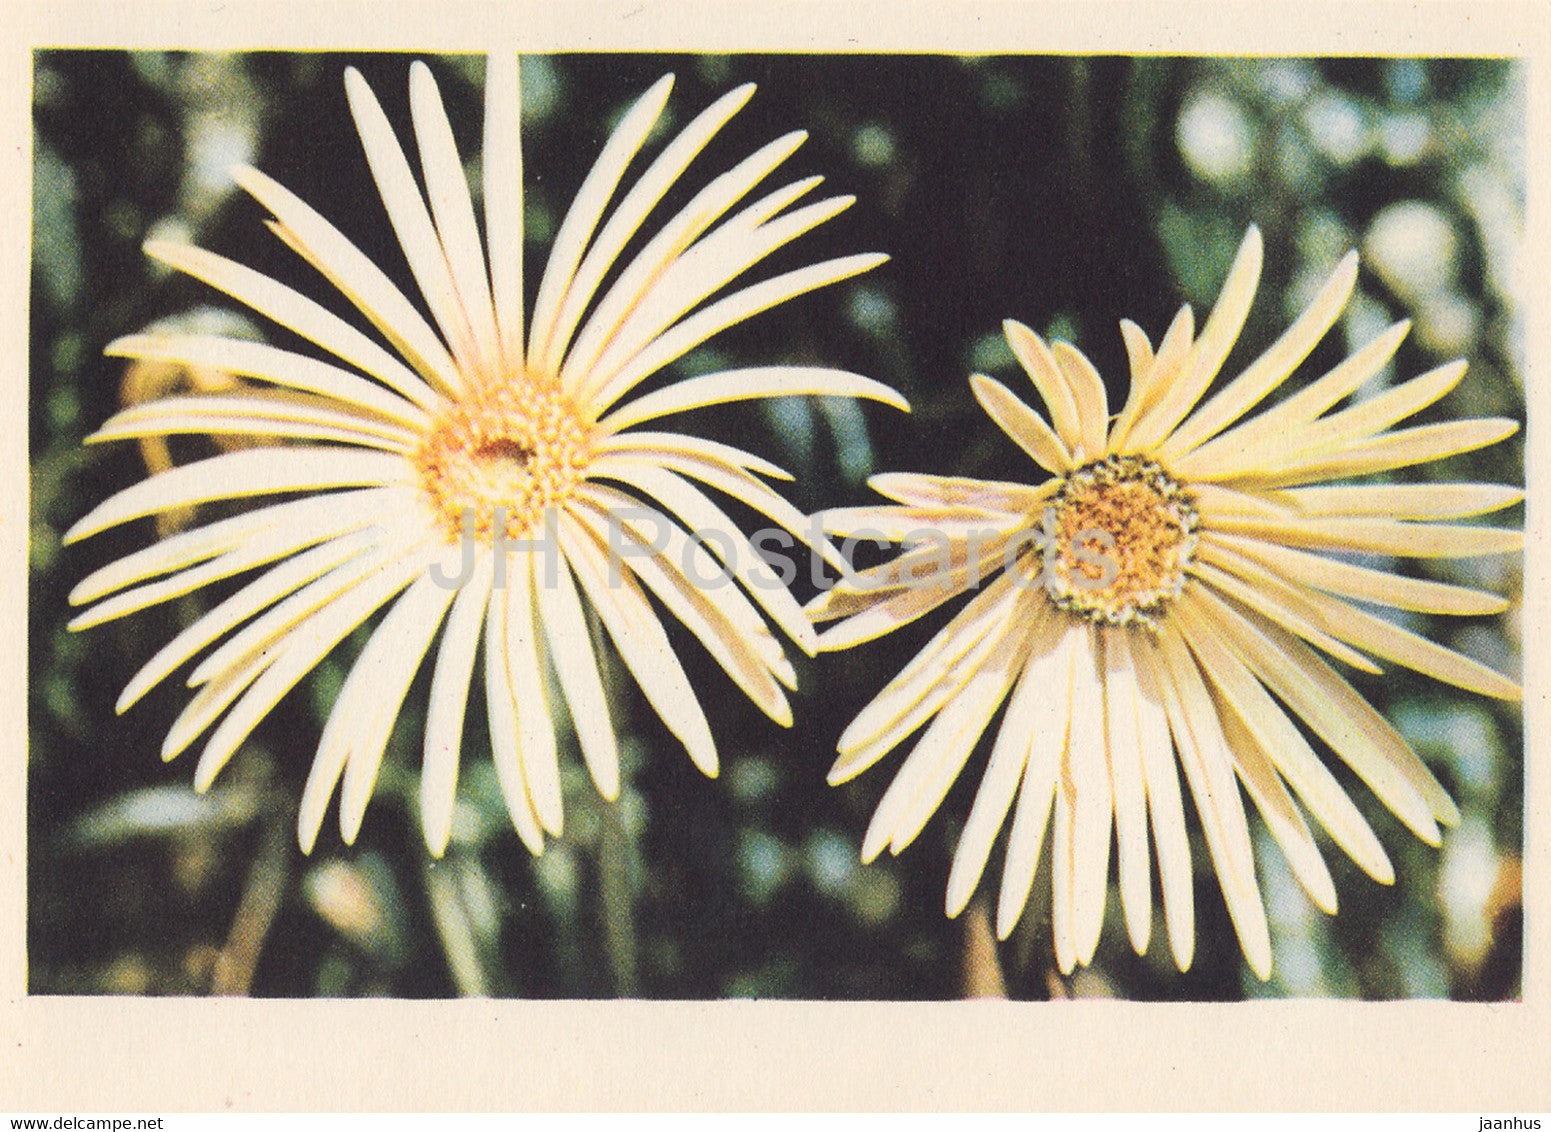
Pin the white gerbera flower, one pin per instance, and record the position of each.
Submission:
(470, 432)
(1165, 622)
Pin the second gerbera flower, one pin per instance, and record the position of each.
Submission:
(1151, 608)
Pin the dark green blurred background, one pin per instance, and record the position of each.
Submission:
(1068, 193)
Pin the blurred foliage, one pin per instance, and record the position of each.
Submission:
(1065, 192)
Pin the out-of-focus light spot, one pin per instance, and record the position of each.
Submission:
(1412, 246)
(791, 419)
(1466, 736)
(1336, 126)
(1421, 974)
(56, 237)
(1465, 882)
(1296, 161)
(1217, 138)
(1001, 93)
(875, 896)
(633, 813)
(343, 894)
(558, 876)
(1365, 319)
(830, 861)
(1063, 327)
(872, 311)
(713, 69)
(873, 145)
(216, 142)
(992, 352)
(762, 861)
(751, 780)
(1322, 237)
(541, 88)
(1493, 198)
(1448, 323)
(538, 221)
(848, 425)
(1286, 80)
(1405, 138)
(173, 230)
(1405, 80)
(1293, 921)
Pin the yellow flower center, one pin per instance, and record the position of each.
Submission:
(1120, 533)
(511, 449)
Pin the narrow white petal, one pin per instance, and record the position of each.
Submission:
(281, 367)
(1400, 449)
(502, 705)
(1404, 500)
(1211, 348)
(638, 634)
(698, 513)
(1089, 394)
(954, 491)
(1378, 586)
(373, 691)
(452, 208)
(295, 311)
(450, 682)
(570, 647)
(631, 212)
(1377, 536)
(1363, 739)
(1043, 370)
(962, 722)
(1093, 804)
(1163, 801)
(384, 541)
(725, 312)
(356, 276)
(998, 787)
(1123, 737)
(1259, 775)
(253, 415)
(1297, 410)
(704, 269)
(908, 699)
(1026, 427)
(501, 164)
(1285, 746)
(1204, 755)
(256, 595)
(411, 220)
(525, 666)
(298, 654)
(646, 268)
(661, 555)
(1051, 671)
(235, 475)
(1161, 374)
(201, 543)
(267, 546)
(924, 780)
(581, 220)
(1273, 367)
(1063, 857)
(744, 384)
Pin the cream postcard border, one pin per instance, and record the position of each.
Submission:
(83, 1055)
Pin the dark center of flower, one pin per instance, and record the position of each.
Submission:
(507, 451)
(1120, 533)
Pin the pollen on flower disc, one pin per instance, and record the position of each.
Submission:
(1120, 533)
(516, 447)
